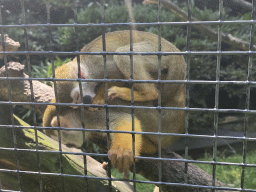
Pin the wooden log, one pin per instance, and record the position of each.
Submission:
(174, 172)
(8, 44)
(19, 83)
(29, 159)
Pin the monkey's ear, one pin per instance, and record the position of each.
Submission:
(83, 72)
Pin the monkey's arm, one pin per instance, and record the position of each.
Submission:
(125, 94)
(99, 98)
(121, 150)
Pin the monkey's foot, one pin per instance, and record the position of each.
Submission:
(121, 159)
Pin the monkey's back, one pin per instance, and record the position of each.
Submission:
(122, 38)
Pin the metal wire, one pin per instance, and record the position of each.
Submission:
(187, 88)
(75, 6)
(248, 90)
(132, 24)
(55, 90)
(32, 93)
(159, 119)
(103, 28)
(138, 181)
(188, 53)
(14, 134)
(216, 114)
(129, 53)
(129, 6)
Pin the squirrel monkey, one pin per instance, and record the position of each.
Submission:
(145, 67)
(121, 149)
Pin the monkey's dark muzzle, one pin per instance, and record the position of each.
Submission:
(87, 99)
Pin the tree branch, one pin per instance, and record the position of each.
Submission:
(174, 172)
(227, 38)
(15, 78)
(9, 44)
(243, 4)
(46, 151)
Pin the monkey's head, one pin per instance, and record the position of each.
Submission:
(68, 118)
(69, 91)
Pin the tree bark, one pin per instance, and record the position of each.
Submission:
(174, 172)
(8, 44)
(15, 87)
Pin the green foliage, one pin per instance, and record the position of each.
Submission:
(202, 67)
(40, 71)
(27, 115)
(59, 3)
(231, 175)
(140, 187)
(63, 3)
(21, 122)
(98, 147)
(58, 62)
(44, 70)
(114, 14)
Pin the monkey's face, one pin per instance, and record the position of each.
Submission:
(69, 91)
(63, 89)
(87, 93)
(70, 118)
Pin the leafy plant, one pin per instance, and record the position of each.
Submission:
(202, 67)
(58, 62)
(231, 175)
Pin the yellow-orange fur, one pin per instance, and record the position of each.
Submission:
(145, 94)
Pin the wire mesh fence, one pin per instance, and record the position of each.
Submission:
(169, 134)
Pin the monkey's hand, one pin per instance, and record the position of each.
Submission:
(124, 93)
(119, 92)
(121, 150)
(122, 159)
